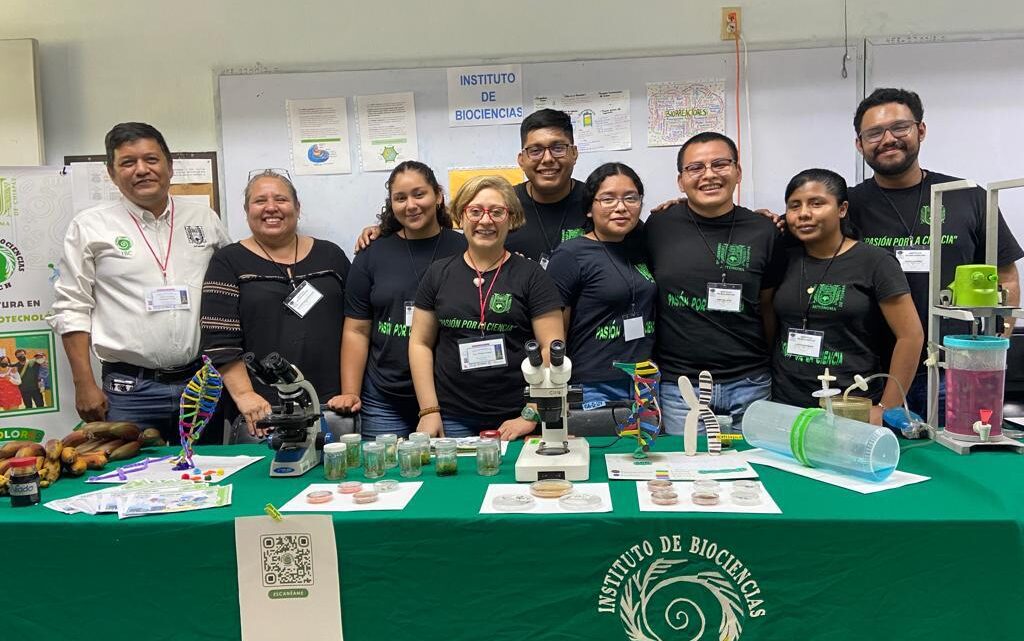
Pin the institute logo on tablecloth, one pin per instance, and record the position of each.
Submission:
(677, 587)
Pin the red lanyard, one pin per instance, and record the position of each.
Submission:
(167, 257)
(480, 286)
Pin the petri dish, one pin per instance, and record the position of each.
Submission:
(664, 497)
(745, 497)
(704, 497)
(706, 485)
(320, 496)
(366, 496)
(659, 484)
(350, 487)
(580, 501)
(748, 486)
(387, 485)
(512, 502)
(550, 488)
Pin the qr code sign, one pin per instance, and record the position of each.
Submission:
(287, 559)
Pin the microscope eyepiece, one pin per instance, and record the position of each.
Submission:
(533, 353)
(557, 352)
(280, 367)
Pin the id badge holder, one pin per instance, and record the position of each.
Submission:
(632, 325)
(914, 260)
(804, 342)
(543, 260)
(482, 353)
(303, 298)
(167, 298)
(725, 297)
(410, 307)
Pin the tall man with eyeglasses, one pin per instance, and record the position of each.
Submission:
(129, 288)
(892, 210)
(716, 265)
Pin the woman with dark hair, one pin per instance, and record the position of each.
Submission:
(608, 291)
(840, 303)
(415, 231)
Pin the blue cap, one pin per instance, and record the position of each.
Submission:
(966, 341)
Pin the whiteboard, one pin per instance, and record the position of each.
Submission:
(801, 109)
(973, 96)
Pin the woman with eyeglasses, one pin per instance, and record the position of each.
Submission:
(608, 291)
(840, 304)
(474, 313)
(415, 231)
(275, 291)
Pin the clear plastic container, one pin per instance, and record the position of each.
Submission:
(373, 460)
(353, 443)
(817, 440)
(446, 461)
(335, 461)
(856, 408)
(390, 442)
(422, 440)
(488, 457)
(975, 379)
(410, 461)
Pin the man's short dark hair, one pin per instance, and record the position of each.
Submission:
(887, 95)
(704, 137)
(544, 119)
(130, 132)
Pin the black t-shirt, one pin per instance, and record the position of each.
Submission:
(384, 276)
(899, 218)
(547, 224)
(602, 282)
(845, 307)
(691, 338)
(521, 293)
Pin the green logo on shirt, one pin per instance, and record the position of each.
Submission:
(501, 303)
(736, 257)
(644, 271)
(926, 214)
(124, 245)
(829, 297)
(569, 234)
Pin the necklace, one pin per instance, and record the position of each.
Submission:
(479, 280)
(287, 272)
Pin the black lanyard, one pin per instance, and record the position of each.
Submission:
(810, 290)
(732, 227)
(540, 219)
(433, 254)
(287, 273)
(630, 282)
(920, 196)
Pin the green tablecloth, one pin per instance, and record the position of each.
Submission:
(937, 560)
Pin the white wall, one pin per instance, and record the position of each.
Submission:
(106, 61)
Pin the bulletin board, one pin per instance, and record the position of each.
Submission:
(799, 104)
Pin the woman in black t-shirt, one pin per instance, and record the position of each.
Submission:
(474, 313)
(840, 303)
(415, 231)
(608, 291)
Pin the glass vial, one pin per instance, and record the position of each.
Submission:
(488, 457)
(446, 460)
(24, 482)
(335, 461)
(422, 440)
(410, 463)
(390, 443)
(353, 448)
(373, 459)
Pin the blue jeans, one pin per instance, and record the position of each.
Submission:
(917, 396)
(460, 426)
(149, 403)
(728, 399)
(597, 395)
(383, 415)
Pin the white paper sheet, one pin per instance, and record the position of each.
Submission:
(545, 506)
(677, 111)
(162, 470)
(387, 130)
(319, 136)
(685, 488)
(600, 119)
(91, 185)
(676, 466)
(895, 480)
(288, 584)
(396, 500)
(192, 170)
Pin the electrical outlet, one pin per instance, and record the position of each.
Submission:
(730, 23)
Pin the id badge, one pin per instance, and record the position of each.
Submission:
(725, 297)
(914, 261)
(410, 307)
(482, 353)
(632, 327)
(303, 298)
(167, 298)
(804, 342)
(544, 258)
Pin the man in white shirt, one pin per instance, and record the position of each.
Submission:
(130, 284)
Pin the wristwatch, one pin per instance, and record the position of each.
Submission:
(530, 414)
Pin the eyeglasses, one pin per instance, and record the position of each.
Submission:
(275, 172)
(899, 129)
(476, 213)
(718, 166)
(536, 152)
(629, 200)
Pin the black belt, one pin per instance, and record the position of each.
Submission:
(171, 375)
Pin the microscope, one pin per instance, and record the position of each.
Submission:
(555, 455)
(295, 423)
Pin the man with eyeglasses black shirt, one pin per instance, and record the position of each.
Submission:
(892, 210)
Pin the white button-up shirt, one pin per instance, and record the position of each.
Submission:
(107, 269)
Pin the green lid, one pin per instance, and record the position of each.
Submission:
(966, 341)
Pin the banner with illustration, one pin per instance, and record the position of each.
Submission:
(37, 398)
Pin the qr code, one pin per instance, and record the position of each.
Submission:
(287, 559)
